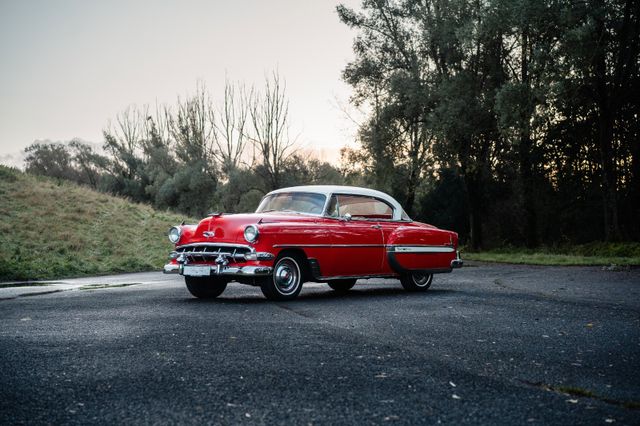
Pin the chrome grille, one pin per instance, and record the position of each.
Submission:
(208, 252)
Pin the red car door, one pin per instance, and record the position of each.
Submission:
(356, 240)
(357, 248)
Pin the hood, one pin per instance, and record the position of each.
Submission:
(229, 228)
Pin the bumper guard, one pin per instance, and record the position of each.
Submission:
(457, 262)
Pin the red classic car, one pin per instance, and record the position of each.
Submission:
(327, 234)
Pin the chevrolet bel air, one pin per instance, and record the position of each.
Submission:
(328, 234)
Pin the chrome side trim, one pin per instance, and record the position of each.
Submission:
(420, 249)
(390, 248)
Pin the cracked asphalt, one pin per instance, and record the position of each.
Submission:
(490, 344)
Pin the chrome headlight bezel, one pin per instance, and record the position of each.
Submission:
(251, 233)
(174, 234)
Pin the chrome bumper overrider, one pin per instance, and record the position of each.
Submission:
(246, 271)
(457, 262)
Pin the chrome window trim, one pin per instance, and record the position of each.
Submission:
(329, 190)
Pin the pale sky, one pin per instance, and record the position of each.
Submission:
(69, 66)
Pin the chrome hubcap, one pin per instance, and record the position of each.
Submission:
(286, 276)
(422, 280)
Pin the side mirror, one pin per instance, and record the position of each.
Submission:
(347, 217)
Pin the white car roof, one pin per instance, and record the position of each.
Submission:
(348, 190)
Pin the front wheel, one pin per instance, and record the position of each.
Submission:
(416, 281)
(342, 286)
(286, 282)
(205, 287)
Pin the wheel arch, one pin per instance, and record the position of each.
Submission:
(301, 255)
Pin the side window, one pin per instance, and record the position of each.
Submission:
(362, 207)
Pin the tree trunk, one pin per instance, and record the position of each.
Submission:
(411, 191)
(635, 185)
(606, 112)
(609, 190)
(473, 198)
(528, 198)
(524, 151)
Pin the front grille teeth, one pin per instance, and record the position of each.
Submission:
(208, 253)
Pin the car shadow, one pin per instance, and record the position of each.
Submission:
(327, 295)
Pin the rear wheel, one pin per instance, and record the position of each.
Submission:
(342, 286)
(205, 287)
(286, 282)
(416, 281)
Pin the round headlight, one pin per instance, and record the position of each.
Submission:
(174, 234)
(251, 233)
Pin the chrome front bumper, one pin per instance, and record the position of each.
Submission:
(244, 271)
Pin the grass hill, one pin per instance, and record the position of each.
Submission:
(52, 229)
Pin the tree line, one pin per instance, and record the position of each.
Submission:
(511, 121)
(194, 157)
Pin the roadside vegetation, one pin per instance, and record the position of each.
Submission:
(54, 228)
(606, 254)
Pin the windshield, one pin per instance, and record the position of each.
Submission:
(297, 202)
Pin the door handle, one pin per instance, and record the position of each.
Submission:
(376, 226)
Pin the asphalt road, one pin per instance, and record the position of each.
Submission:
(486, 345)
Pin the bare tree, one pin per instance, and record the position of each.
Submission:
(229, 127)
(191, 128)
(123, 141)
(269, 114)
(157, 125)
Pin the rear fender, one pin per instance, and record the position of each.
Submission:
(421, 249)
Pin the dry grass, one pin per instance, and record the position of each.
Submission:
(51, 229)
